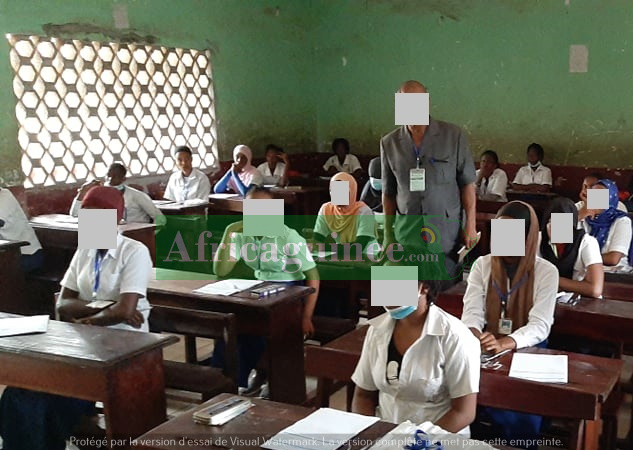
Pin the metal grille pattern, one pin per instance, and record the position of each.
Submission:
(83, 105)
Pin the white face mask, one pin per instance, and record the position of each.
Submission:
(535, 165)
(375, 183)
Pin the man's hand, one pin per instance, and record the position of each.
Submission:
(469, 235)
(489, 343)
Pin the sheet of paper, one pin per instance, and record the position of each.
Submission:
(163, 202)
(227, 287)
(13, 326)
(194, 202)
(325, 429)
(463, 251)
(564, 297)
(219, 196)
(543, 368)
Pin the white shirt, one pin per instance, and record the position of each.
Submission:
(271, 178)
(195, 186)
(350, 165)
(365, 223)
(441, 365)
(16, 225)
(139, 207)
(525, 175)
(497, 184)
(618, 240)
(124, 270)
(540, 317)
(588, 254)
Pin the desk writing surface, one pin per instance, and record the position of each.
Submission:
(83, 344)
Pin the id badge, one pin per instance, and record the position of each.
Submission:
(417, 180)
(505, 326)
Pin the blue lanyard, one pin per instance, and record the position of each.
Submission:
(97, 270)
(504, 297)
(422, 443)
(417, 152)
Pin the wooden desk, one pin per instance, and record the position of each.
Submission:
(247, 431)
(60, 231)
(298, 200)
(122, 369)
(12, 287)
(624, 278)
(484, 225)
(277, 318)
(591, 380)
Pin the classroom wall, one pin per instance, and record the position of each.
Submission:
(260, 65)
(498, 68)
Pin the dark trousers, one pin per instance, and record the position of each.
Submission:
(32, 262)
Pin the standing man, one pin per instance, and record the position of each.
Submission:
(428, 170)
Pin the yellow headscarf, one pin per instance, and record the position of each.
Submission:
(342, 218)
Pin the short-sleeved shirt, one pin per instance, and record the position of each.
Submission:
(195, 186)
(350, 165)
(588, 254)
(280, 258)
(124, 270)
(139, 207)
(525, 175)
(274, 177)
(365, 224)
(495, 184)
(618, 240)
(16, 226)
(442, 364)
(448, 165)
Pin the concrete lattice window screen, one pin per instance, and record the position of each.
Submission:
(83, 105)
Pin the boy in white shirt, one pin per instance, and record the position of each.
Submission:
(342, 161)
(275, 169)
(188, 183)
(14, 226)
(534, 177)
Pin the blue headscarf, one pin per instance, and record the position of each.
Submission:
(601, 224)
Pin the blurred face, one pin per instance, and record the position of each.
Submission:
(487, 164)
(533, 156)
(258, 195)
(586, 184)
(423, 290)
(340, 151)
(599, 186)
(114, 177)
(241, 159)
(271, 157)
(512, 260)
(183, 161)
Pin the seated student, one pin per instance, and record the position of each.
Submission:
(587, 183)
(139, 207)
(275, 169)
(188, 183)
(492, 181)
(242, 176)
(419, 363)
(509, 304)
(579, 262)
(14, 226)
(372, 192)
(282, 258)
(612, 229)
(534, 177)
(348, 224)
(36, 420)
(343, 160)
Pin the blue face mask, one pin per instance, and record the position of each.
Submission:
(401, 311)
(375, 183)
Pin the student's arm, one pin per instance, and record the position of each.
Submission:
(620, 242)
(474, 309)
(221, 186)
(240, 185)
(591, 286)
(612, 258)
(204, 188)
(313, 281)
(283, 181)
(73, 309)
(225, 259)
(461, 414)
(364, 402)
(148, 206)
(70, 307)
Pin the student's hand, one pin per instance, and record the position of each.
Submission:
(136, 320)
(283, 157)
(489, 343)
(238, 166)
(469, 235)
(236, 227)
(307, 326)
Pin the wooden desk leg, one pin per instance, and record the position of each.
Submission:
(591, 436)
(324, 389)
(576, 438)
(135, 401)
(286, 376)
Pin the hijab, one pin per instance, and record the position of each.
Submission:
(521, 300)
(565, 261)
(249, 171)
(342, 218)
(601, 224)
(105, 197)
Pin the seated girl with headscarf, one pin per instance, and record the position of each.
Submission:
(242, 175)
(579, 262)
(509, 304)
(372, 192)
(37, 420)
(612, 229)
(350, 224)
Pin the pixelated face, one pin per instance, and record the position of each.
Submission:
(587, 183)
(260, 195)
(599, 186)
(533, 156)
(487, 164)
(340, 151)
(241, 159)
(510, 259)
(114, 177)
(183, 161)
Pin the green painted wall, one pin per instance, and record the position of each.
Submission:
(498, 68)
(260, 64)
